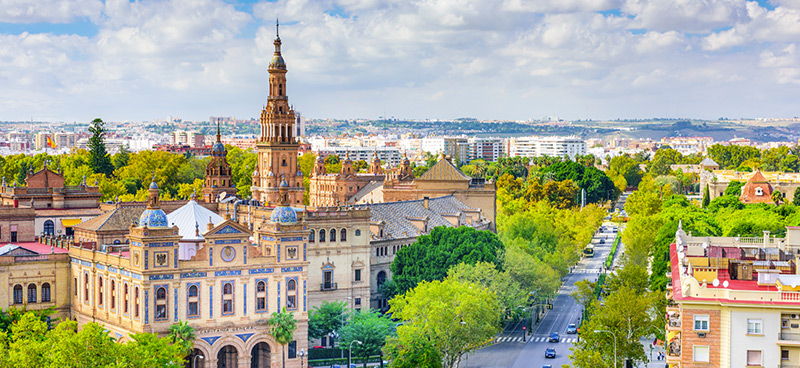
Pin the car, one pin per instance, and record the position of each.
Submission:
(602, 241)
(572, 328)
(554, 337)
(318, 347)
(547, 366)
(550, 353)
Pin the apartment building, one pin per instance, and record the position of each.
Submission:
(538, 146)
(734, 301)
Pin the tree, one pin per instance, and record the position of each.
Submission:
(706, 197)
(597, 184)
(99, 160)
(796, 199)
(369, 327)
(454, 317)
(626, 166)
(662, 160)
(642, 203)
(432, 255)
(777, 197)
(283, 325)
(183, 335)
(734, 188)
(411, 351)
(584, 292)
(325, 319)
(510, 294)
(122, 156)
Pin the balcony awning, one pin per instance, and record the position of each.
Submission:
(70, 222)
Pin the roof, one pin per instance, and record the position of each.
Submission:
(397, 215)
(749, 193)
(365, 190)
(120, 218)
(67, 212)
(708, 162)
(191, 216)
(31, 247)
(444, 170)
(758, 178)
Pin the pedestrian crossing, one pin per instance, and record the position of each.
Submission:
(518, 339)
(593, 270)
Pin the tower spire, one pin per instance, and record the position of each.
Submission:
(218, 133)
(277, 25)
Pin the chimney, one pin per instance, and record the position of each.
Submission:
(426, 202)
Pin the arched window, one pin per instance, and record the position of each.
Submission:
(322, 236)
(333, 235)
(116, 241)
(283, 162)
(161, 304)
(291, 294)
(343, 235)
(86, 287)
(311, 236)
(113, 293)
(100, 291)
(125, 298)
(49, 227)
(18, 294)
(193, 301)
(45, 292)
(136, 302)
(32, 293)
(358, 232)
(261, 296)
(76, 287)
(227, 298)
(381, 278)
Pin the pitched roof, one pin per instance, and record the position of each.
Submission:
(119, 218)
(444, 170)
(192, 216)
(708, 162)
(366, 189)
(757, 178)
(396, 215)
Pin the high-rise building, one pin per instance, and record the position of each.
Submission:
(538, 146)
(277, 146)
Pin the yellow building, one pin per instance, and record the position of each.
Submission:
(34, 276)
(734, 301)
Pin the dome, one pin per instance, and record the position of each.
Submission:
(153, 185)
(320, 159)
(283, 215)
(277, 62)
(153, 217)
(284, 183)
(299, 173)
(218, 148)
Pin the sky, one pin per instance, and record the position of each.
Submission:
(121, 60)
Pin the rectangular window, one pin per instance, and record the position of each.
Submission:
(261, 295)
(784, 354)
(358, 301)
(227, 298)
(754, 327)
(292, 350)
(358, 275)
(700, 354)
(701, 322)
(754, 357)
(193, 300)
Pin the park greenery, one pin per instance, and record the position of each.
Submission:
(282, 326)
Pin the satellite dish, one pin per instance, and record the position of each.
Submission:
(725, 283)
(715, 282)
(705, 245)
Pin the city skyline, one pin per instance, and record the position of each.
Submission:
(76, 60)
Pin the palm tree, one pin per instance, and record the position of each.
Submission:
(183, 334)
(283, 325)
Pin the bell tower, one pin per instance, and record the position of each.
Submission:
(277, 147)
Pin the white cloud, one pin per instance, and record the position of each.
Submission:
(685, 15)
(51, 11)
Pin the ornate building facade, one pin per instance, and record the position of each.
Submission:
(336, 189)
(277, 146)
(219, 175)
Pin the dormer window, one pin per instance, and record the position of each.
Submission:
(759, 191)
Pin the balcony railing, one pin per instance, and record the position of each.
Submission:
(327, 286)
(784, 365)
(788, 336)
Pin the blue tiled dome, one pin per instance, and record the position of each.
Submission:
(218, 148)
(283, 215)
(153, 218)
(284, 183)
(153, 185)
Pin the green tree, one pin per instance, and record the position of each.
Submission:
(122, 156)
(777, 197)
(626, 166)
(432, 255)
(796, 199)
(510, 294)
(597, 184)
(412, 350)
(22, 173)
(283, 326)
(326, 318)
(706, 197)
(456, 318)
(183, 335)
(734, 188)
(664, 157)
(99, 160)
(369, 327)
(642, 203)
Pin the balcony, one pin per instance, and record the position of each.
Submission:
(328, 286)
(788, 336)
(784, 365)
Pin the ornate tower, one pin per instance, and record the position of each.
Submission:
(277, 148)
(219, 176)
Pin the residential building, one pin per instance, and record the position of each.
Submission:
(488, 149)
(734, 301)
(457, 148)
(35, 276)
(538, 146)
(389, 155)
(688, 145)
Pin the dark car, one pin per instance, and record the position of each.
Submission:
(602, 241)
(572, 328)
(554, 337)
(547, 366)
(550, 353)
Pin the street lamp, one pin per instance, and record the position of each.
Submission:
(302, 353)
(333, 335)
(350, 352)
(615, 344)
(194, 360)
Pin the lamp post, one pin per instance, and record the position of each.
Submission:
(350, 352)
(333, 335)
(302, 353)
(615, 344)
(467, 355)
(194, 360)
(348, 298)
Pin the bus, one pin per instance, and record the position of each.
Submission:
(589, 251)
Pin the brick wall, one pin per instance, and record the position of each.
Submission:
(689, 338)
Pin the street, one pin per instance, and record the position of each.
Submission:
(510, 351)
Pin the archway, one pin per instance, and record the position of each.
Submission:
(192, 362)
(260, 356)
(227, 357)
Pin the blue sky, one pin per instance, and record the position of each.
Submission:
(73, 60)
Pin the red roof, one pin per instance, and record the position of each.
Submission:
(41, 248)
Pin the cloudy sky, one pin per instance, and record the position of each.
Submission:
(73, 60)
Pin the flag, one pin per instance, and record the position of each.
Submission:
(50, 142)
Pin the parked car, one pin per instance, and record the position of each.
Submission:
(602, 241)
(550, 353)
(547, 366)
(554, 337)
(572, 328)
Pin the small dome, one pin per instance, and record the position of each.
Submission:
(284, 183)
(270, 173)
(153, 218)
(255, 173)
(218, 148)
(153, 185)
(320, 159)
(283, 215)
(299, 173)
(277, 62)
